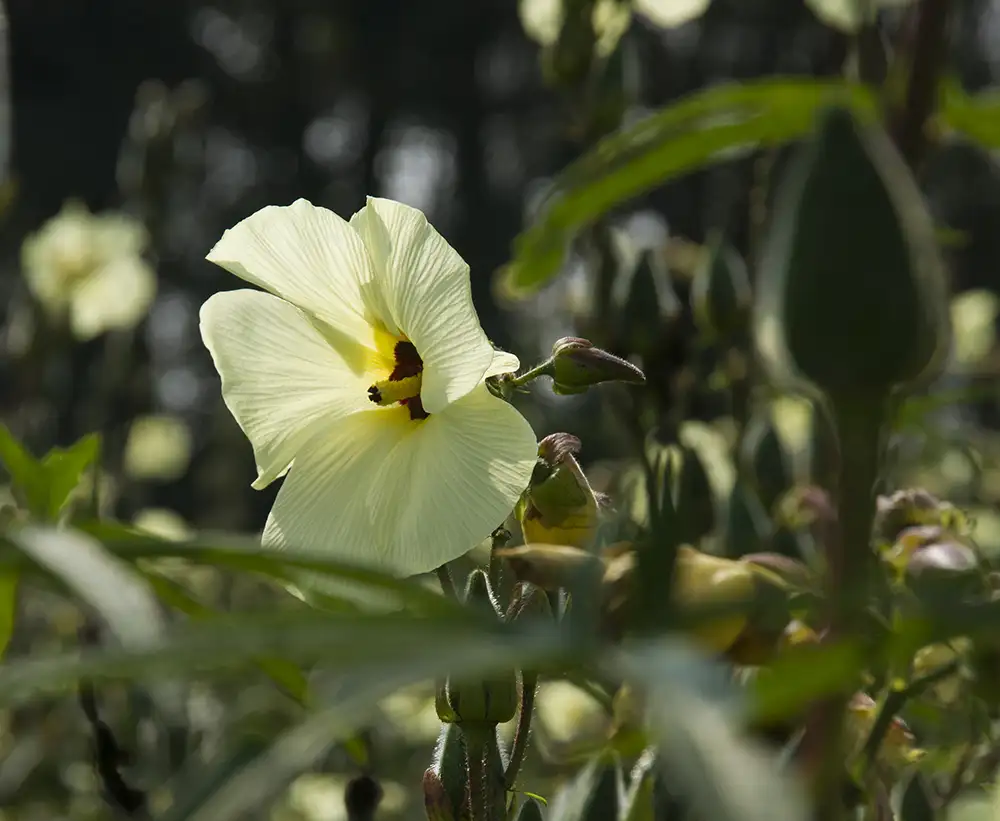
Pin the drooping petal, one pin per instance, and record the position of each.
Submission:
(426, 290)
(503, 362)
(402, 496)
(283, 376)
(307, 255)
(114, 296)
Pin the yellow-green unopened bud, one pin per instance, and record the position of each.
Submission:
(577, 365)
(484, 701)
(852, 294)
(559, 507)
(720, 293)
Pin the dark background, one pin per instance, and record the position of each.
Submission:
(193, 115)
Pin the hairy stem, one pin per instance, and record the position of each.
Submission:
(529, 682)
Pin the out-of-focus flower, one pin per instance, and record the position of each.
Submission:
(848, 15)
(157, 447)
(87, 269)
(897, 749)
(973, 323)
(363, 373)
(164, 523)
(670, 14)
(934, 657)
(543, 19)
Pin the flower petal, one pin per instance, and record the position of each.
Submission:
(282, 376)
(306, 255)
(115, 296)
(403, 496)
(503, 362)
(426, 290)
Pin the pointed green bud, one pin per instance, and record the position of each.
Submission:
(593, 794)
(447, 786)
(764, 458)
(694, 499)
(643, 298)
(437, 806)
(747, 524)
(530, 810)
(851, 294)
(577, 365)
(529, 605)
(362, 795)
(720, 293)
(823, 448)
(484, 701)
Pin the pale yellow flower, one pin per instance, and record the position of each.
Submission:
(87, 269)
(543, 19)
(157, 447)
(363, 370)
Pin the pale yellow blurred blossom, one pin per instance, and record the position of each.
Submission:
(362, 373)
(320, 797)
(850, 15)
(157, 447)
(164, 523)
(565, 712)
(671, 13)
(87, 269)
(543, 19)
(973, 322)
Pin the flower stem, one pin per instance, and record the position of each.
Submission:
(545, 369)
(529, 682)
(447, 585)
(475, 750)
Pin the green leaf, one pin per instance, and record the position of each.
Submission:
(247, 555)
(64, 468)
(122, 598)
(975, 116)
(702, 129)
(458, 641)
(283, 673)
(692, 712)
(26, 473)
(8, 608)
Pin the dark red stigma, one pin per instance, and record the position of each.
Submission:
(408, 363)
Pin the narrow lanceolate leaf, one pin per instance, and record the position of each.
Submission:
(25, 472)
(458, 643)
(699, 130)
(8, 608)
(706, 759)
(122, 597)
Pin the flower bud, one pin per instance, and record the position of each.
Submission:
(747, 524)
(720, 293)
(446, 782)
(530, 810)
(695, 499)
(764, 459)
(928, 659)
(593, 794)
(577, 365)
(908, 508)
(703, 580)
(644, 300)
(437, 805)
(852, 295)
(528, 605)
(549, 566)
(944, 571)
(897, 748)
(559, 507)
(362, 795)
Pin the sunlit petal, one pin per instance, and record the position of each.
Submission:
(282, 373)
(426, 290)
(307, 255)
(406, 496)
(503, 362)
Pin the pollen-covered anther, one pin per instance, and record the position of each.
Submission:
(390, 391)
